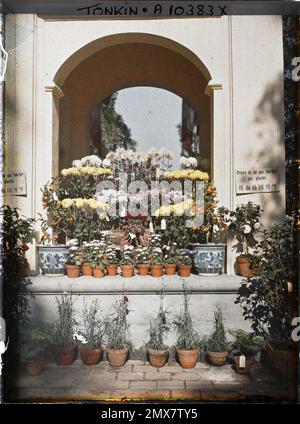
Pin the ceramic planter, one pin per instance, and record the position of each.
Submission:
(73, 271)
(117, 357)
(112, 270)
(187, 358)
(143, 269)
(218, 359)
(208, 259)
(170, 269)
(157, 270)
(87, 269)
(185, 270)
(52, 259)
(243, 370)
(90, 356)
(34, 366)
(244, 269)
(66, 355)
(158, 358)
(98, 272)
(127, 270)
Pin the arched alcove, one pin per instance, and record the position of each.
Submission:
(121, 61)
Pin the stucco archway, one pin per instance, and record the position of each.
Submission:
(122, 61)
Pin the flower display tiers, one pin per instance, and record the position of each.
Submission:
(143, 294)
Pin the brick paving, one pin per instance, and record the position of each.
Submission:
(137, 380)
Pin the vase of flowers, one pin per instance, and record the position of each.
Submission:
(217, 344)
(245, 223)
(143, 261)
(92, 333)
(66, 348)
(127, 261)
(157, 350)
(117, 334)
(188, 342)
(170, 258)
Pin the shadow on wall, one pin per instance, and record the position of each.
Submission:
(269, 123)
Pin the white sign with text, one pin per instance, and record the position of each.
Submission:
(15, 183)
(257, 180)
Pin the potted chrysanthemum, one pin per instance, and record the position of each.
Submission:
(127, 261)
(143, 261)
(170, 258)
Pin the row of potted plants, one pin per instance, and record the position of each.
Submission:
(93, 331)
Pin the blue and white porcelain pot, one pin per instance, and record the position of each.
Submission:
(208, 259)
(53, 258)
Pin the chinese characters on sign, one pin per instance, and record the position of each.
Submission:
(15, 183)
(257, 180)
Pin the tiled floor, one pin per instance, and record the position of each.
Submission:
(137, 380)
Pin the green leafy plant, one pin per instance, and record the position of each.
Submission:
(143, 256)
(127, 255)
(97, 255)
(92, 325)
(117, 326)
(36, 338)
(244, 343)
(74, 256)
(185, 260)
(170, 252)
(111, 255)
(187, 336)
(159, 328)
(218, 342)
(64, 326)
(265, 299)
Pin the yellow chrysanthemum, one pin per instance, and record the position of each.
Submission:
(79, 203)
(67, 203)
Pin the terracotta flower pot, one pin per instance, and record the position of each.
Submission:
(187, 358)
(244, 268)
(170, 269)
(98, 272)
(143, 269)
(73, 271)
(66, 355)
(217, 359)
(185, 270)
(127, 270)
(34, 366)
(249, 362)
(90, 356)
(112, 270)
(117, 357)
(157, 270)
(87, 270)
(158, 358)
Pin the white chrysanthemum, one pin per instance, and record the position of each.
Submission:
(246, 229)
(106, 163)
(257, 226)
(192, 162)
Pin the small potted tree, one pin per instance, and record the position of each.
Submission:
(244, 347)
(158, 352)
(111, 261)
(188, 342)
(36, 339)
(244, 223)
(170, 258)
(185, 265)
(74, 262)
(116, 332)
(65, 347)
(127, 261)
(143, 261)
(92, 325)
(217, 344)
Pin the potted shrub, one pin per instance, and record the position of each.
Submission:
(36, 339)
(65, 347)
(265, 298)
(158, 352)
(127, 261)
(244, 347)
(245, 222)
(185, 265)
(112, 262)
(188, 341)
(143, 261)
(86, 252)
(208, 246)
(73, 263)
(217, 344)
(98, 260)
(157, 263)
(116, 332)
(92, 327)
(170, 258)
